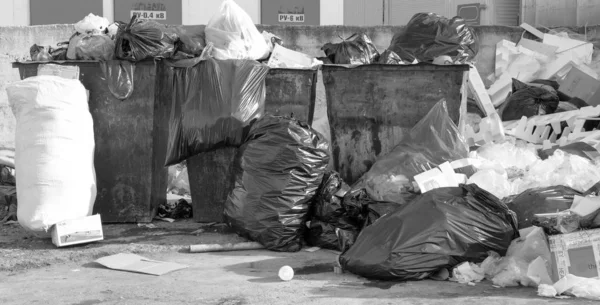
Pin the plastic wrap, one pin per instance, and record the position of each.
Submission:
(277, 174)
(517, 156)
(119, 77)
(144, 39)
(439, 229)
(429, 35)
(213, 105)
(95, 47)
(234, 34)
(357, 49)
(192, 40)
(493, 182)
(580, 149)
(528, 101)
(539, 201)
(569, 170)
(432, 141)
(390, 58)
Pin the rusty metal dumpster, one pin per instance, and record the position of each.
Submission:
(371, 107)
(288, 91)
(130, 143)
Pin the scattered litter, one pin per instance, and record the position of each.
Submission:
(313, 249)
(11, 222)
(548, 291)
(165, 219)
(176, 207)
(468, 273)
(286, 273)
(77, 231)
(147, 225)
(197, 232)
(225, 247)
(135, 263)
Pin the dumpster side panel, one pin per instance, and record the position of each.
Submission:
(211, 174)
(370, 108)
(130, 185)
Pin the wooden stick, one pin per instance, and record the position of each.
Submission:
(225, 247)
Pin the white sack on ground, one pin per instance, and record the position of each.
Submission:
(54, 154)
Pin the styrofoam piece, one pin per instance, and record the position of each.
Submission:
(490, 129)
(481, 95)
(500, 89)
(532, 30)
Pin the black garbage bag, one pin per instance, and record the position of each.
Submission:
(144, 39)
(277, 174)
(214, 102)
(432, 141)
(528, 101)
(329, 218)
(389, 58)
(363, 209)
(540, 201)
(357, 49)
(429, 35)
(439, 229)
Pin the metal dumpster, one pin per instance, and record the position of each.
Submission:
(210, 174)
(371, 107)
(130, 143)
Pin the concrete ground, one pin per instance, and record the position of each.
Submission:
(33, 271)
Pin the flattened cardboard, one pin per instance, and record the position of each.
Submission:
(532, 30)
(576, 253)
(138, 264)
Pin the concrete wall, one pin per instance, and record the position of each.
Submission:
(16, 41)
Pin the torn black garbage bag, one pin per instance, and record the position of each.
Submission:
(540, 201)
(214, 102)
(144, 39)
(429, 35)
(389, 58)
(528, 101)
(358, 49)
(277, 173)
(439, 229)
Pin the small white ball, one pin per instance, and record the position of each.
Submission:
(286, 273)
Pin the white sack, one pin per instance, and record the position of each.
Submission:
(54, 155)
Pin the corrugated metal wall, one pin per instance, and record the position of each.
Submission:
(399, 12)
(507, 12)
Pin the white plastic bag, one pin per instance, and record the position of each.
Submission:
(492, 181)
(54, 154)
(92, 25)
(234, 35)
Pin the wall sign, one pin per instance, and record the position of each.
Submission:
(162, 11)
(291, 12)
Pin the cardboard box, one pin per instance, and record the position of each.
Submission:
(286, 58)
(579, 84)
(575, 253)
(77, 231)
